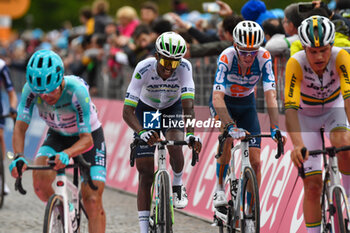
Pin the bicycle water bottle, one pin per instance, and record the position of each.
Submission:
(73, 217)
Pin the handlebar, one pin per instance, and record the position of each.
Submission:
(139, 141)
(330, 151)
(222, 138)
(81, 163)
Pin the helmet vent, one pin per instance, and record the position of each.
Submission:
(50, 63)
(58, 69)
(40, 63)
(31, 64)
(30, 79)
(38, 81)
(48, 79)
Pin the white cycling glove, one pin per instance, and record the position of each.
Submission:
(235, 132)
(145, 135)
(196, 139)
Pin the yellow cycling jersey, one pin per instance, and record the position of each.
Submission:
(305, 90)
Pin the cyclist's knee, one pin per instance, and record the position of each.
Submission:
(42, 183)
(93, 204)
(340, 138)
(313, 188)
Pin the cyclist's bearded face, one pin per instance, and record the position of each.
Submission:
(52, 97)
(318, 58)
(166, 66)
(246, 55)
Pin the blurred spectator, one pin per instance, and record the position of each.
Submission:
(200, 36)
(216, 47)
(273, 28)
(179, 7)
(149, 12)
(342, 5)
(127, 20)
(161, 25)
(85, 17)
(255, 10)
(100, 11)
(144, 41)
(280, 44)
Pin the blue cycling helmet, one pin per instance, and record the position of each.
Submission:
(44, 71)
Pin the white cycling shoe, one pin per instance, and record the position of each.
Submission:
(219, 199)
(180, 196)
(6, 189)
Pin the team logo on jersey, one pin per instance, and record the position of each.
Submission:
(151, 120)
(137, 76)
(238, 88)
(266, 55)
(224, 59)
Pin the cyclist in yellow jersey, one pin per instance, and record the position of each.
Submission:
(317, 95)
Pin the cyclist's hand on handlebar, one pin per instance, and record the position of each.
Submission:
(297, 157)
(13, 166)
(149, 136)
(197, 142)
(13, 113)
(236, 133)
(274, 132)
(61, 160)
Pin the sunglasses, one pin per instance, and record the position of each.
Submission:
(166, 63)
(245, 53)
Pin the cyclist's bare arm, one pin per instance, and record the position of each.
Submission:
(188, 109)
(13, 100)
(347, 108)
(18, 141)
(130, 118)
(220, 107)
(272, 109)
(343, 67)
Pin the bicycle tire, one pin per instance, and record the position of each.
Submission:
(54, 215)
(250, 212)
(338, 215)
(164, 219)
(2, 181)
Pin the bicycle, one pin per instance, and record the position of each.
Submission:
(242, 209)
(2, 173)
(58, 217)
(334, 202)
(162, 214)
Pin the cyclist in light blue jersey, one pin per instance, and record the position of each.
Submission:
(65, 105)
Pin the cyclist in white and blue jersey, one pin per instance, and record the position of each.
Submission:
(164, 85)
(64, 104)
(5, 78)
(239, 69)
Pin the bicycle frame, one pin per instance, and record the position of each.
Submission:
(61, 187)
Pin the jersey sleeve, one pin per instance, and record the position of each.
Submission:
(26, 105)
(6, 78)
(342, 63)
(268, 77)
(294, 76)
(81, 103)
(221, 73)
(187, 84)
(134, 89)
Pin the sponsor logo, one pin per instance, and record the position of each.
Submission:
(345, 73)
(292, 85)
(137, 76)
(266, 55)
(311, 85)
(224, 59)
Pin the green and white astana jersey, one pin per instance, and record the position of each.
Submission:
(146, 85)
(74, 113)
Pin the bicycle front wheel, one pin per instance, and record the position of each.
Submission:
(341, 217)
(164, 214)
(54, 215)
(2, 181)
(250, 202)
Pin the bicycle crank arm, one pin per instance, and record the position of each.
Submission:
(222, 216)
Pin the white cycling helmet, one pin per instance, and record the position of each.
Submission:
(316, 31)
(171, 45)
(248, 34)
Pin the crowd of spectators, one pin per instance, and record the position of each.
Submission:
(128, 37)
